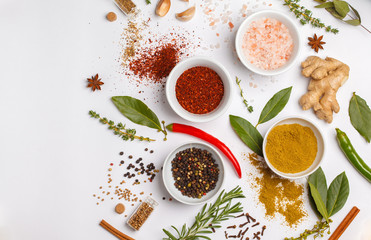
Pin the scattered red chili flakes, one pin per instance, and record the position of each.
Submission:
(156, 65)
(199, 90)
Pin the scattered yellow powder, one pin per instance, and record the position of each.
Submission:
(276, 194)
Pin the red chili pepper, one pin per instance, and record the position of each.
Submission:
(181, 128)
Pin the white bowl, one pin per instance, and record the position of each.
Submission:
(194, 62)
(167, 175)
(292, 29)
(320, 147)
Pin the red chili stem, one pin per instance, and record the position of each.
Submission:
(182, 128)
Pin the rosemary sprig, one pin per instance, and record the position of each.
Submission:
(209, 217)
(119, 129)
(305, 16)
(318, 230)
(249, 108)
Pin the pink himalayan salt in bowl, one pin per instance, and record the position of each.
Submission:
(268, 43)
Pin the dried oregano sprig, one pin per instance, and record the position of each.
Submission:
(306, 17)
(119, 129)
(249, 107)
(210, 217)
(318, 230)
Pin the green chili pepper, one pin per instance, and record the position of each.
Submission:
(353, 157)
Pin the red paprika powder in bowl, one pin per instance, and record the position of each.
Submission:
(199, 89)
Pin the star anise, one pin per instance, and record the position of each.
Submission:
(316, 43)
(95, 82)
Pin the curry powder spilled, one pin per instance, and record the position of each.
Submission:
(278, 195)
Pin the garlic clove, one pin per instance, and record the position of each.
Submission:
(187, 14)
(163, 7)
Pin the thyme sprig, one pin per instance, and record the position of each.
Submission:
(119, 129)
(249, 107)
(305, 16)
(318, 230)
(209, 217)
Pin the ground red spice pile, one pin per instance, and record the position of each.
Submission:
(199, 90)
(156, 64)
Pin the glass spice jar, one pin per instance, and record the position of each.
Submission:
(142, 213)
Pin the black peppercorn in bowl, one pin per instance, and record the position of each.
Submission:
(193, 173)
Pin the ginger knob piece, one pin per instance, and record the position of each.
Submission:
(327, 76)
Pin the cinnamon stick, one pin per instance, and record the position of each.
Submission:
(344, 224)
(114, 231)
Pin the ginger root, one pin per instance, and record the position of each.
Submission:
(327, 76)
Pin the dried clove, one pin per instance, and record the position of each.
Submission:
(263, 228)
(256, 235)
(240, 215)
(233, 226)
(211, 226)
(256, 224)
(248, 217)
(232, 236)
(239, 234)
(243, 224)
(225, 234)
(243, 233)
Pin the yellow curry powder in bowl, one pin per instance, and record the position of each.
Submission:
(293, 148)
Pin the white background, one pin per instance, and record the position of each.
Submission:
(53, 157)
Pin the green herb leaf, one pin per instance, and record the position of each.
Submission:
(220, 210)
(318, 179)
(148, 2)
(353, 22)
(356, 13)
(338, 193)
(325, 5)
(247, 133)
(313, 204)
(360, 116)
(334, 13)
(275, 105)
(136, 111)
(171, 236)
(341, 7)
(321, 207)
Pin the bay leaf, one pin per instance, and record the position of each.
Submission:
(334, 13)
(356, 13)
(325, 5)
(318, 179)
(313, 204)
(337, 194)
(247, 133)
(321, 207)
(360, 116)
(136, 111)
(275, 105)
(341, 7)
(353, 22)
